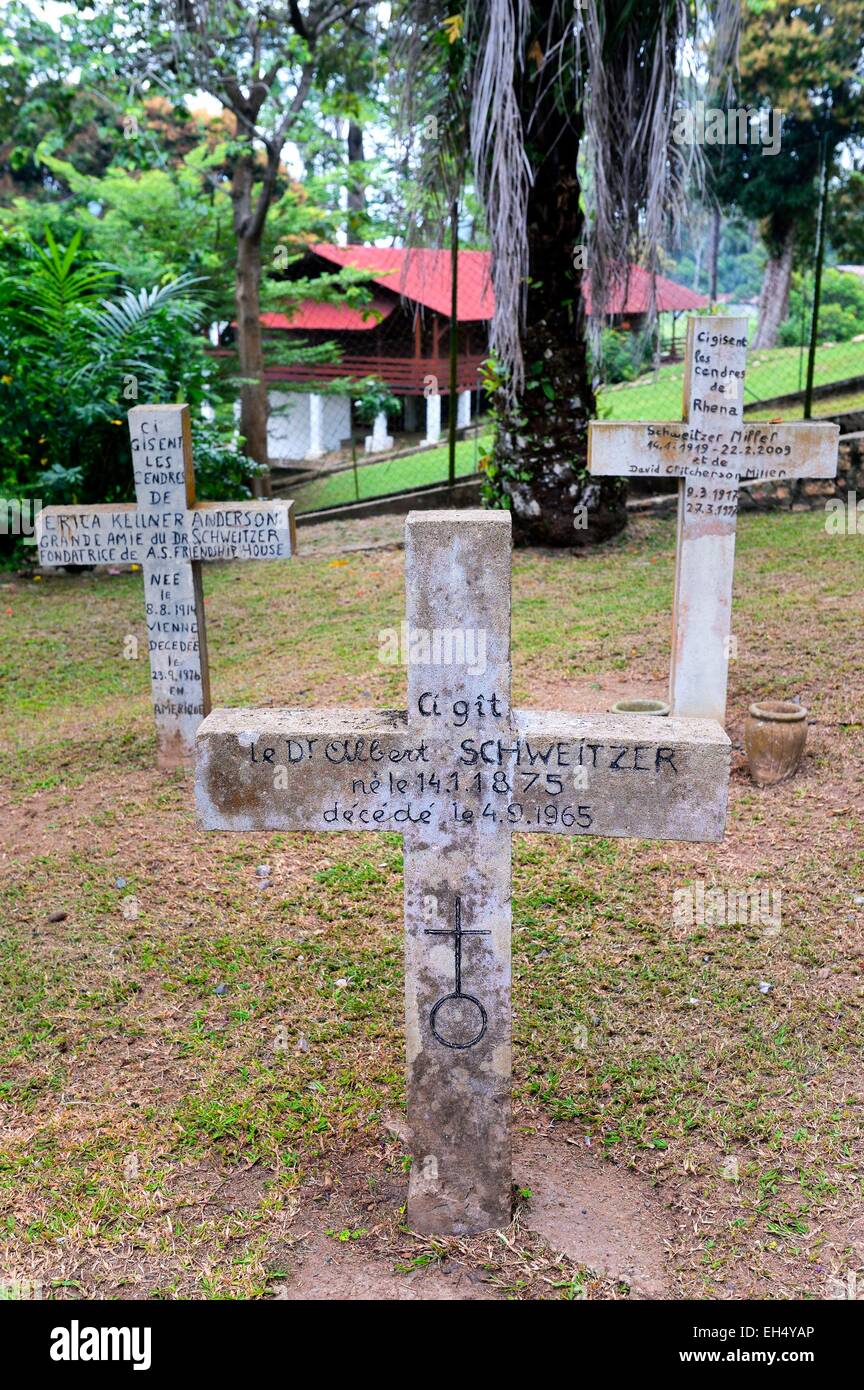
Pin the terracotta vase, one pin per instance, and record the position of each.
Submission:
(655, 707)
(775, 733)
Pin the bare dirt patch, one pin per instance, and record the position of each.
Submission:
(600, 1216)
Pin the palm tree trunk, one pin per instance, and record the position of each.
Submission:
(541, 445)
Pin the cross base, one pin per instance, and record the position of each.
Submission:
(446, 1197)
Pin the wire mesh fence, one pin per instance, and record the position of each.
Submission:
(373, 398)
(775, 383)
(381, 394)
(360, 459)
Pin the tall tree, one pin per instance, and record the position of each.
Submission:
(356, 193)
(358, 65)
(40, 101)
(805, 58)
(265, 62)
(571, 109)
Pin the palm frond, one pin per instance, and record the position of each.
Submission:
(502, 169)
(615, 68)
(49, 297)
(114, 329)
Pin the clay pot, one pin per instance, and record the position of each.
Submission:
(775, 733)
(655, 707)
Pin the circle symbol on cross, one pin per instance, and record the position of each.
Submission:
(462, 1019)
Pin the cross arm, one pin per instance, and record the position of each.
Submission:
(242, 530)
(627, 448)
(106, 534)
(101, 534)
(303, 769)
(645, 778)
(810, 449)
(651, 448)
(554, 772)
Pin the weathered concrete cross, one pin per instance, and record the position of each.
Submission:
(457, 774)
(168, 534)
(711, 454)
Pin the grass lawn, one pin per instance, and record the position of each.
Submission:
(774, 373)
(202, 1080)
(769, 373)
(427, 466)
(830, 405)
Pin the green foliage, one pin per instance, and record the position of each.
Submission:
(38, 100)
(837, 324)
(159, 223)
(222, 472)
(846, 216)
(376, 399)
(497, 472)
(624, 355)
(805, 59)
(77, 350)
(844, 289)
(152, 224)
(841, 312)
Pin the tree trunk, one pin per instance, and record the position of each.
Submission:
(356, 193)
(541, 446)
(253, 392)
(774, 295)
(697, 263)
(715, 256)
(247, 299)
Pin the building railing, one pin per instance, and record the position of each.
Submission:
(406, 376)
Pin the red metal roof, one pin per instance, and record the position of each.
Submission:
(423, 275)
(668, 295)
(332, 317)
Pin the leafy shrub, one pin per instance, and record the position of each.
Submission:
(841, 312)
(623, 355)
(77, 350)
(376, 399)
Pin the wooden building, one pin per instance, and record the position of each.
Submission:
(402, 338)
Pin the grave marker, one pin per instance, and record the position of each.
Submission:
(168, 534)
(711, 453)
(457, 774)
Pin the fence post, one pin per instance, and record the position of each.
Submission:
(454, 338)
(817, 282)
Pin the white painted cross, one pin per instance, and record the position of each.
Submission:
(457, 774)
(711, 453)
(168, 534)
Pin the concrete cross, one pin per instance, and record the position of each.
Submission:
(168, 534)
(457, 774)
(711, 453)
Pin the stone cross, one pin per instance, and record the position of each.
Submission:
(168, 534)
(711, 453)
(457, 773)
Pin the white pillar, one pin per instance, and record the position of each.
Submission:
(379, 439)
(433, 420)
(316, 449)
(463, 410)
